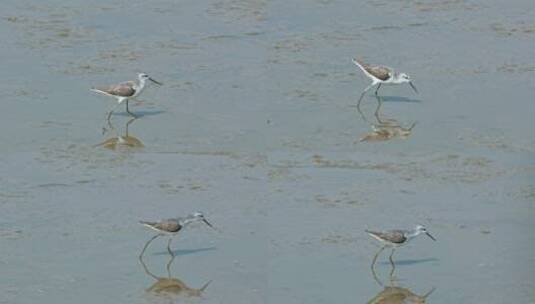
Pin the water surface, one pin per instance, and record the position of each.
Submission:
(257, 126)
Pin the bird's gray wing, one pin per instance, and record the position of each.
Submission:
(124, 89)
(381, 72)
(393, 236)
(169, 225)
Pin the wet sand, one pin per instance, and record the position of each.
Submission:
(257, 126)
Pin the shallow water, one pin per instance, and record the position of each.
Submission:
(257, 126)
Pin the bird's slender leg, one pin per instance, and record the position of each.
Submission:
(109, 127)
(109, 123)
(364, 92)
(128, 124)
(428, 293)
(128, 111)
(375, 277)
(111, 112)
(377, 90)
(147, 245)
(147, 271)
(378, 110)
(169, 265)
(392, 262)
(169, 247)
(109, 115)
(375, 257)
(362, 115)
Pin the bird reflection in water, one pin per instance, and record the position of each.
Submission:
(120, 142)
(385, 128)
(169, 287)
(397, 295)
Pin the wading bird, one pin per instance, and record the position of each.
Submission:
(171, 227)
(381, 75)
(125, 90)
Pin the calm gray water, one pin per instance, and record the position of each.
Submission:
(256, 126)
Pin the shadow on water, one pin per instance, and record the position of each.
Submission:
(412, 262)
(119, 142)
(399, 99)
(169, 287)
(178, 252)
(391, 262)
(384, 129)
(181, 252)
(140, 114)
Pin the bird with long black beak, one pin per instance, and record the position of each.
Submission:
(172, 226)
(125, 91)
(396, 238)
(382, 75)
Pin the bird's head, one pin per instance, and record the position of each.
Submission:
(144, 77)
(200, 217)
(404, 78)
(422, 229)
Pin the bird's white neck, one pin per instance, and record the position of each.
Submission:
(397, 79)
(140, 86)
(413, 233)
(187, 221)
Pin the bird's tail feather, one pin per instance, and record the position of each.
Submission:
(145, 223)
(371, 232)
(359, 64)
(100, 92)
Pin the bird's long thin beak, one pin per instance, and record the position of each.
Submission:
(207, 223)
(156, 82)
(413, 87)
(429, 293)
(206, 285)
(429, 235)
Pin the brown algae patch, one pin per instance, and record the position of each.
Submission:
(525, 193)
(11, 234)
(336, 201)
(239, 10)
(444, 5)
(304, 94)
(321, 162)
(451, 168)
(515, 68)
(387, 132)
(428, 6)
(337, 239)
(171, 188)
(121, 143)
(494, 141)
(503, 30)
(55, 30)
(293, 45)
